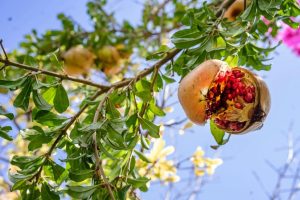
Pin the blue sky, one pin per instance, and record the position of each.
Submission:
(243, 155)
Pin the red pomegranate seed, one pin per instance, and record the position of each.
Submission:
(235, 85)
(238, 105)
(211, 95)
(248, 97)
(229, 96)
(214, 90)
(238, 74)
(233, 126)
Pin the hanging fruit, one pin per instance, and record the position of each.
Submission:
(235, 99)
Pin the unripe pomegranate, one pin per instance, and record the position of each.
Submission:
(78, 60)
(110, 60)
(109, 55)
(236, 100)
(235, 10)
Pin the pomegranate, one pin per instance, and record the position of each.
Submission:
(78, 60)
(236, 100)
(235, 10)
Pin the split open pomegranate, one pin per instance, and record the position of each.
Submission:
(236, 100)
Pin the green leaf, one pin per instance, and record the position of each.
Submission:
(4, 132)
(58, 172)
(37, 138)
(142, 156)
(81, 175)
(217, 133)
(8, 115)
(224, 142)
(158, 84)
(92, 127)
(39, 101)
(48, 118)
(115, 137)
(167, 79)
(103, 150)
(111, 110)
(139, 182)
(29, 60)
(156, 110)
(47, 194)
(232, 61)
(61, 100)
(22, 100)
(145, 142)
(144, 95)
(143, 85)
(187, 38)
(12, 84)
(81, 192)
(54, 60)
(24, 162)
(123, 192)
(19, 185)
(31, 193)
(131, 121)
(150, 126)
(49, 95)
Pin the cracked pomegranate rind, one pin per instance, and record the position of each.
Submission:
(235, 99)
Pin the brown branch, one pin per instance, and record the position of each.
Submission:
(54, 74)
(99, 168)
(170, 55)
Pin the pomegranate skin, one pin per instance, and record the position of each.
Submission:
(194, 87)
(262, 109)
(78, 60)
(234, 10)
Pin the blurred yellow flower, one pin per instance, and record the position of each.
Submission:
(204, 165)
(160, 168)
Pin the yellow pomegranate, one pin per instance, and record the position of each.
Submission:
(235, 10)
(78, 60)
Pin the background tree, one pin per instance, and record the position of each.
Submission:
(103, 128)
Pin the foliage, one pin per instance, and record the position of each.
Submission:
(106, 136)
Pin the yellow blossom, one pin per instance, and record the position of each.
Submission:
(160, 168)
(199, 172)
(198, 157)
(203, 164)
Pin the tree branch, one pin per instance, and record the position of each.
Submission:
(54, 74)
(169, 55)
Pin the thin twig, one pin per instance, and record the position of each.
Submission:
(294, 188)
(257, 178)
(99, 168)
(156, 9)
(2, 47)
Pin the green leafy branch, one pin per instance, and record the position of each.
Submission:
(98, 166)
